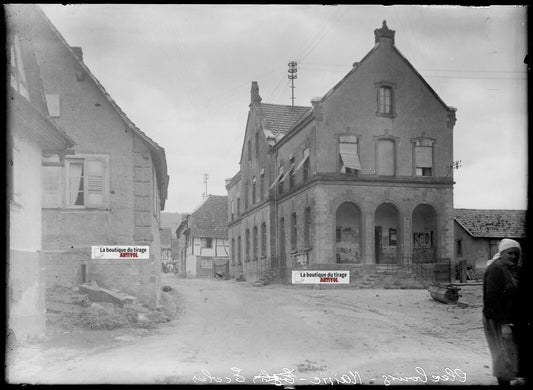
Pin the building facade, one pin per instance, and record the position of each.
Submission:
(203, 235)
(362, 177)
(111, 187)
(30, 133)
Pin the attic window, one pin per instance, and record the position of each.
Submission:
(385, 99)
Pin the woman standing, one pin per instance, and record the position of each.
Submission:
(501, 310)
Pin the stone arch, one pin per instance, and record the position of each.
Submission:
(348, 237)
(387, 233)
(425, 233)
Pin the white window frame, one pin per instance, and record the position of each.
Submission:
(85, 158)
(17, 72)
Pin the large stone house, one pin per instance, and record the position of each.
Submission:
(30, 133)
(203, 237)
(362, 177)
(110, 188)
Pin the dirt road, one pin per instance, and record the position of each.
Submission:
(231, 332)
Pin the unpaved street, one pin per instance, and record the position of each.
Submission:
(229, 332)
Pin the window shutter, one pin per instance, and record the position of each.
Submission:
(350, 159)
(53, 105)
(424, 158)
(386, 158)
(51, 178)
(96, 182)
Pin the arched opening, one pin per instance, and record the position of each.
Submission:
(386, 234)
(348, 234)
(424, 233)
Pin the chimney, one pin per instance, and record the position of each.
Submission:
(78, 52)
(383, 34)
(254, 94)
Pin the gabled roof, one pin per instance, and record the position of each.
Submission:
(157, 152)
(492, 223)
(280, 118)
(367, 56)
(211, 218)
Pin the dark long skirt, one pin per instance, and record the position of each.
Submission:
(503, 351)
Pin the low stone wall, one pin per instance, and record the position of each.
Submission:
(136, 277)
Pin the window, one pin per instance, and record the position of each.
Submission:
(257, 143)
(263, 239)
(262, 184)
(385, 163)
(294, 231)
(385, 100)
(253, 189)
(291, 173)
(17, 75)
(238, 207)
(338, 234)
(423, 157)
(247, 246)
(307, 226)
(348, 156)
(51, 186)
(249, 149)
(232, 209)
(459, 248)
(87, 182)
(239, 254)
(306, 165)
(280, 180)
(206, 242)
(246, 195)
(255, 242)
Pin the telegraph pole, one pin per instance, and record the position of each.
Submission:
(206, 176)
(293, 70)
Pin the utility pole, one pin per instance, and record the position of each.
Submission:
(293, 74)
(206, 176)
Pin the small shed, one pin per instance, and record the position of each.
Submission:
(478, 232)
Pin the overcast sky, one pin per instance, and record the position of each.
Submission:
(182, 74)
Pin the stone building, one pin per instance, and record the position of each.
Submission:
(109, 189)
(30, 133)
(203, 235)
(362, 177)
(478, 233)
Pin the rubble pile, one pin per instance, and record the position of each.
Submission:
(93, 307)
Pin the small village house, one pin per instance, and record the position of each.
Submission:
(30, 133)
(109, 190)
(205, 249)
(361, 178)
(478, 232)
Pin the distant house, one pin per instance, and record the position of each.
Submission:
(478, 232)
(30, 133)
(169, 242)
(110, 189)
(205, 240)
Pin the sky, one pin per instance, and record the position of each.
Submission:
(182, 74)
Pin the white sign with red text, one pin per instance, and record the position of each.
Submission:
(120, 252)
(320, 277)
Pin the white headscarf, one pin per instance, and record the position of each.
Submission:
(504, 244)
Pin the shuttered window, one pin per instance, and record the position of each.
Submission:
(51, 188)
(87, 182)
